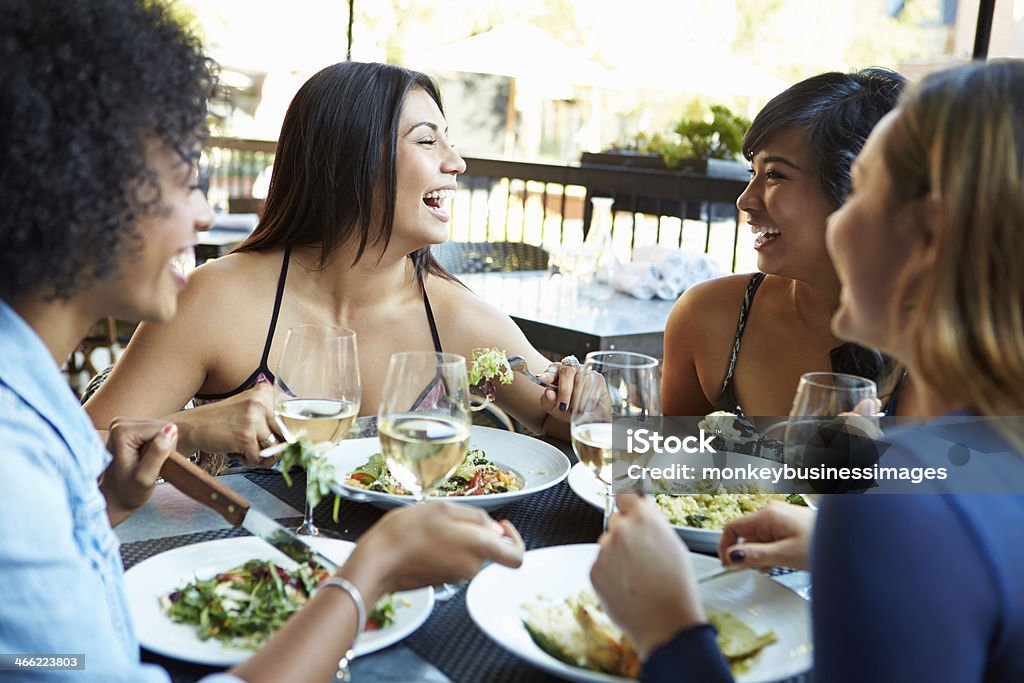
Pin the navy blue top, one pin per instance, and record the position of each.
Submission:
(916, 587)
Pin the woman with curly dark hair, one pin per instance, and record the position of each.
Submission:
(362, 178)
(101, 102)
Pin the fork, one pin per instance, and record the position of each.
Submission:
(518, 364)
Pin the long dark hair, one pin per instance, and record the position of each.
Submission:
(837, 111)
(335, 166)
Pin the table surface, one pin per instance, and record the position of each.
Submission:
(449, 646)
(559, 317)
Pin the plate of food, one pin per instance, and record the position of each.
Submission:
(169, 596)
(501, 467)
(546, 613)
(699, 516)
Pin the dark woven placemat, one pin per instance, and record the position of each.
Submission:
(450, 640)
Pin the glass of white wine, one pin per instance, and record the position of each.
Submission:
(316, 392)
(424, 423)
(612, 385)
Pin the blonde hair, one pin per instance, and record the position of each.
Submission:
(959, 139)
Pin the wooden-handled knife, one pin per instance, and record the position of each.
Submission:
(204, 488)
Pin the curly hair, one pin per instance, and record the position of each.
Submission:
(84, 85)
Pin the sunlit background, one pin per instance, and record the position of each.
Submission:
(548, 79)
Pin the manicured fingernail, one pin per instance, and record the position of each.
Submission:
(170, 430)
(737, 555)
(563, 406)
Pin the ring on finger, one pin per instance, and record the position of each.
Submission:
(571, 361)
(267, 441)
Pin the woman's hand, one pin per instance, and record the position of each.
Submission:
(558, 402)
(241, 424)
(777, 535)
(139, 449)
(644, 575)
(427, 544)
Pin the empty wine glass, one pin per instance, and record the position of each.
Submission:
(316, 393)
(611, 385)
(424, 423)
(816, 423)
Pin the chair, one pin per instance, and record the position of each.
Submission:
(81, 364)
(490, 257)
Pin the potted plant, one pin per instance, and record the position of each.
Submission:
(687, 147)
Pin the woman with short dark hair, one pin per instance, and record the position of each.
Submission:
(726, 350)
(925, 585)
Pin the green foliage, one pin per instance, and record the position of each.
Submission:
(717, 136)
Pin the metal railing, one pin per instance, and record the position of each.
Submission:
(541, 203)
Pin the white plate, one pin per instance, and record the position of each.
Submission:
(163, 573)
(585, 485)
(540, 465)
(497, 594)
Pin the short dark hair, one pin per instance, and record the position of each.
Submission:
(335, 165)
(84, 85)
(837, 111)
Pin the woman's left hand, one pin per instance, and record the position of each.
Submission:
(644, 575)
(558, 402)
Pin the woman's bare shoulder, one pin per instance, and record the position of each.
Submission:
(712, 303)
(225, 287)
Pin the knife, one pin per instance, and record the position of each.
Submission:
(204, 488)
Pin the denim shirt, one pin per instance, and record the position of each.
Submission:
(63, 583)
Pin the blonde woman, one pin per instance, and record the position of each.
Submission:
(928, 249)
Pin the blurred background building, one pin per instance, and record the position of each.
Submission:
(549, 79)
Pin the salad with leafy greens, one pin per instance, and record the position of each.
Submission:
(488, 366)
(319, 472)
(244, 606)
(476, 476)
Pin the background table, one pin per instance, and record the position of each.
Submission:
(555, 320)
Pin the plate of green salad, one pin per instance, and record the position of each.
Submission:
(217, 602)
(500, 467)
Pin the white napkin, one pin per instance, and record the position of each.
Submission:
(663, 259)
(694, 268)
(639, 280)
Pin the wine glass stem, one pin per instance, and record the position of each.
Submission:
(308, 528)
(609, 504)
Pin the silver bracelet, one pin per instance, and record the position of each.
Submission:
(344, 584)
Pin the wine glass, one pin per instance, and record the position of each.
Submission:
(612, 385)
(316, 393)
(424, 423)
(816, 419)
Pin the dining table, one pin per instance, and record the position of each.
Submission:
(224, 234)
(448, 646)
(565, 316)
